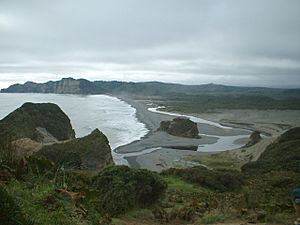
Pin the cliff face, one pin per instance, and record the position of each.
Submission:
(90, 152)
(181, 127)
(64, 86)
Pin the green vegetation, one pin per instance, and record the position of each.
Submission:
(40, 192)
(82, 197)
(23, 123)
(90, 152)
(220, 180)
(177, 184)
(208, 103)
(217, 161)
(10, 211)
(283, 154)
(213, 216)
(32, 198)
(122, 188)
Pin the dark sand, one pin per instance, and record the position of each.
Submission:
(166, 157)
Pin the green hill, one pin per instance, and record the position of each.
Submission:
(283, 154)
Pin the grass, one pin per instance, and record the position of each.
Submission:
(216, 216)
(177, 184)
(208, 103)
(218, 161)
(30, 198)
(284, 218)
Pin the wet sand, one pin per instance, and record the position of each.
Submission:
(166, 156)
(269, 122)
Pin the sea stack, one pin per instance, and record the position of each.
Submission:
(254, 138)
(181, 127)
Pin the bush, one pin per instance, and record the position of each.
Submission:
(10, 212)
(219, 180)
(122, 188)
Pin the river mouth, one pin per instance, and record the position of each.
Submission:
(224, 142)
(215, 137)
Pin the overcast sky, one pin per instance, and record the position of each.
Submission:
(249, 43)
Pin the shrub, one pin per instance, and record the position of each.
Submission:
(122, 188)
(10, 212)
(220, 180)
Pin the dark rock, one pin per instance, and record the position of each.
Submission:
(31, 126)
(183, 147)
(181, 127)
(38, 122)
(90, 152)
(254, 138)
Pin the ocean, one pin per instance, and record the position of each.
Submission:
(114, 117)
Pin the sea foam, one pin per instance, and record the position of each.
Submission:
(114, 117)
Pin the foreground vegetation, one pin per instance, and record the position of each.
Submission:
(36, 191)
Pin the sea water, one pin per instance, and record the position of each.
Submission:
(114, 117)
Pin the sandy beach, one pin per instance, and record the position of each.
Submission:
(166, 156)
(271, 123)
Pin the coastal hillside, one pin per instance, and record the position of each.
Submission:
(82, 86)
(175, 97)
(282, 155)
(66, 191)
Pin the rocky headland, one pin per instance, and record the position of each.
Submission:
(41, 122)
(44, 129)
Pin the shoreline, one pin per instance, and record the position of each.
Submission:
(271, 124)
(167, 157)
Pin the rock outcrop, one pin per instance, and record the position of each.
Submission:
(90, 152)
(41, 122)
(44, 129)
(181, 127)
(253, 139)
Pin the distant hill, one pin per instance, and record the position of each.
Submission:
(282, 155)
(82, 86)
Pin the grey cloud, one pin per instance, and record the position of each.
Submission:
(246, 42)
